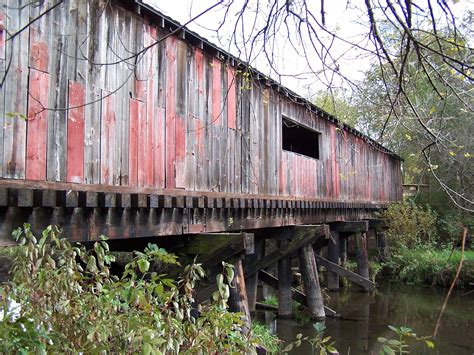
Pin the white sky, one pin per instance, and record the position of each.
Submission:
(341, 15)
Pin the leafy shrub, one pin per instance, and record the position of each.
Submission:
(409, 225)
(68, 301)
(426, 265)
(266, 338)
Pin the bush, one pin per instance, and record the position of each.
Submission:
(409, 225)
(430, 266)
(68, 301)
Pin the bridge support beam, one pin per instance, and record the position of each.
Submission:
(251, 282)
(333, 256)
(238, 301)
(362, 256)
(311, 285)
(284, 284)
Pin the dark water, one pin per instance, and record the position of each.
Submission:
(366, 317)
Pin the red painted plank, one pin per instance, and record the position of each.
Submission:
(140, 89)
(159, 148)
(133, 143)
(216, 92)
(37, 126)
(231, 99)
(39, 52)
(150, 113)
(170, 111)
(142, 149)
(334, 153)
(107, 139)
(180, 162)
(75, 133)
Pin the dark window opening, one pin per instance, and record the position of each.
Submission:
(299, 139)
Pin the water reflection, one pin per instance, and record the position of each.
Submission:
(364, 317)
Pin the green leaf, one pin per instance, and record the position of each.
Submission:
(394, 342)
(381, 339)
(91, 264)
(429, 344)
(388, 350)
(143, 265)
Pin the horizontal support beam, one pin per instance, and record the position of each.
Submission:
(349, 275)
(26, 193)
(208, 243)
(302, 236)
(297, 295)
(350, 226)
(83, 224)
(378, 224)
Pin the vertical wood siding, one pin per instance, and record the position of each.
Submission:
(175, 116)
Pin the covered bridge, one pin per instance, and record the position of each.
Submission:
(118, 121)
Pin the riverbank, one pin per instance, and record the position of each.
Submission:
(428, 266)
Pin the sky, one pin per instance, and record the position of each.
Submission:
(293, 68)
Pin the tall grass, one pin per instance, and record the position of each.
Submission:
(429, 266)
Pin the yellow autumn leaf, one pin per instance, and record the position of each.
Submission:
(453, 154)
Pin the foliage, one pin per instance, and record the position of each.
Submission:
(271, 301)
(426, 118)
(400, 345)
(67, 301)
(426, 265)
(319, 344)
(265, 338)
(409, 225)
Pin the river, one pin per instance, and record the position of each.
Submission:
(365, 317)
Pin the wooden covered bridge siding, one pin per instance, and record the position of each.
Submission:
(181, 115)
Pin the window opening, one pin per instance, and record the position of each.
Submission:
(300, 139)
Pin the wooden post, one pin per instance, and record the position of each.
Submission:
(238, 301)
(381, 244)
(362, 255)
(333, 256)
(252, 282)
(312, 288)
(284, 284)
(343, 249)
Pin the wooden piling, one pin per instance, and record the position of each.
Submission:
(343, 249)
(312, 288)
(362, 255)
(251, 282)
(238, 301)
(381, 244)
(333, 256)
(284, 284)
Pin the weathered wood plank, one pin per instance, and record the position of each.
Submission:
(107, 140)
(37, 125)
(16, 92)
(75, 133)
(170, 126)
